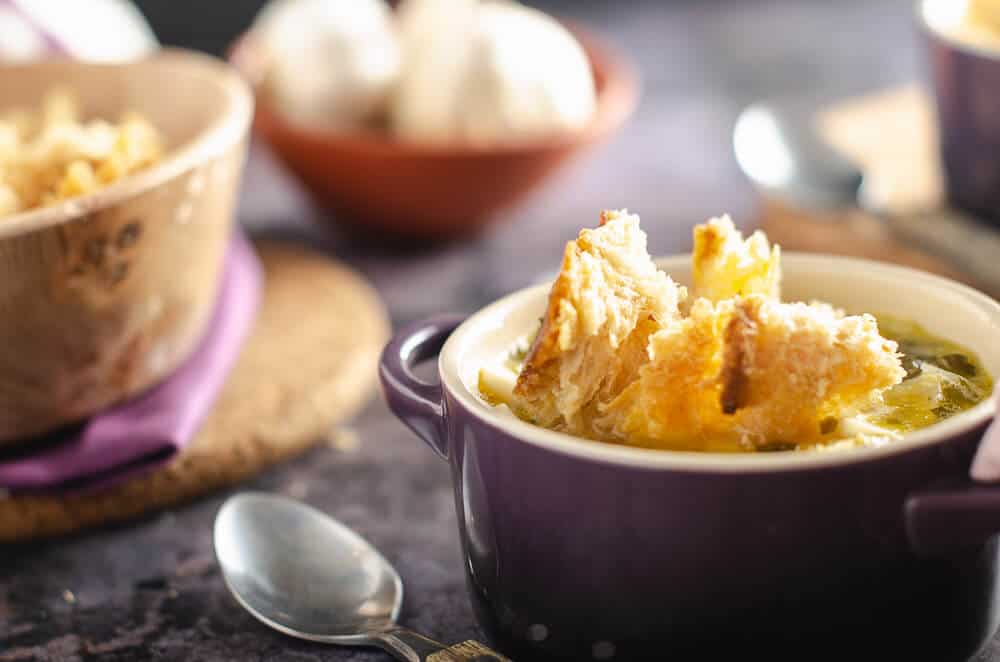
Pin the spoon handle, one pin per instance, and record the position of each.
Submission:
(968, 244)
(412, 647)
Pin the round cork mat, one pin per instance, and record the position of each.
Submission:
(309, 364)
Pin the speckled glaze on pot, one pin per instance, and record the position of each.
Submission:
(585, 551)
(966, 82)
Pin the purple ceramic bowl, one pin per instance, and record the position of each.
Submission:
(966, 79)
(578, 550)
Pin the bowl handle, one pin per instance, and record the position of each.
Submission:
(942, 520)
(419, 404)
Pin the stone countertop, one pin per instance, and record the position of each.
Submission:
(151, 589)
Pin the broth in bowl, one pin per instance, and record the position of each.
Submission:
(624, 355)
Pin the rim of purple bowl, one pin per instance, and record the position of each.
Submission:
(451, 370)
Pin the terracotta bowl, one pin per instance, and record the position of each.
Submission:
(103, 295)
(371, 179)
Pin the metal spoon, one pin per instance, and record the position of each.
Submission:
(309, 576)
(777, 147)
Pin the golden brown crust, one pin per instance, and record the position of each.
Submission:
(742, 326)
(606, 301)
(545, 347)
(708, 242)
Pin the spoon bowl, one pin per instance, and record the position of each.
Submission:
(307, 575)
(777, 147)
(304, 573)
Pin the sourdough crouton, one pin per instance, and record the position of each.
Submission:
(752, 372)
(724, 265)
(607, 300)
(674, 401)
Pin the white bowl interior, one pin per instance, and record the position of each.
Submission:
(943, 307)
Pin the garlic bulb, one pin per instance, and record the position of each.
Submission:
(494, 71)
(330, 61)
(436, 41)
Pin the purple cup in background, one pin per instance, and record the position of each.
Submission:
(578, 550)
(966, 84)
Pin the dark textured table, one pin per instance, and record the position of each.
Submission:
(151, 590)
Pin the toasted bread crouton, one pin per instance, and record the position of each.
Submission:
(607, 300)
(675, 401)
(753, 372)
(799, 364)
(724, 265)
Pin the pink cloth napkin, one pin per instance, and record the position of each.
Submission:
(139, 435)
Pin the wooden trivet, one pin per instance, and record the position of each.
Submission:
(309, 364)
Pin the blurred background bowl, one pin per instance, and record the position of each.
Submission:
(103, 295)
(371, 180)
(965, 75)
